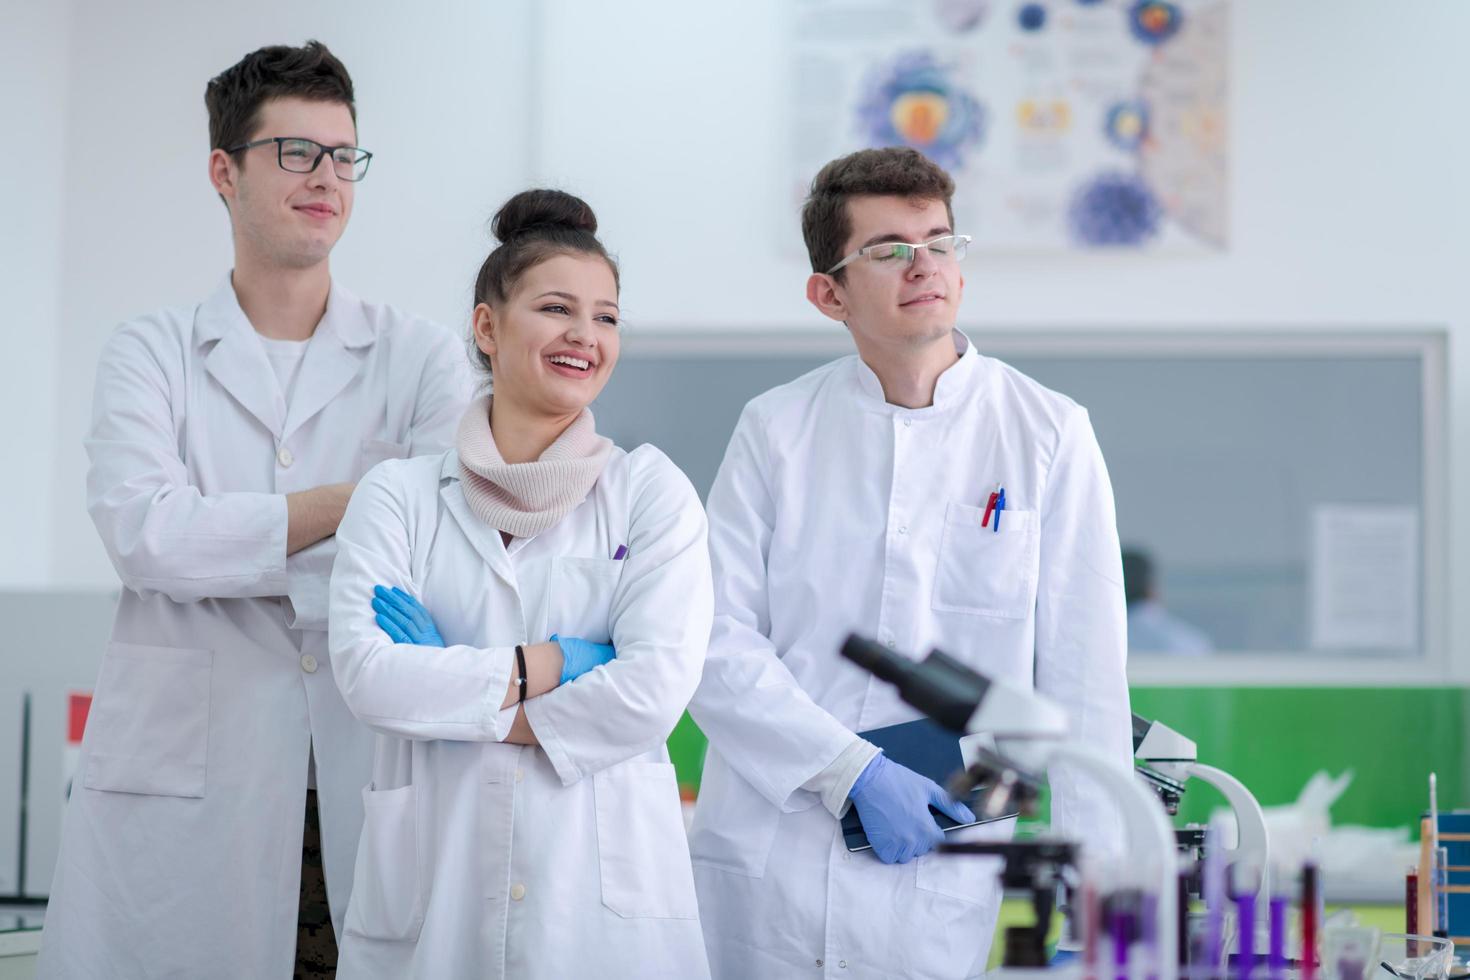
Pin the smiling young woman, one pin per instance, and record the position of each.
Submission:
(523, 620)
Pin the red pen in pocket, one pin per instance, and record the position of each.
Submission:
(990, 507)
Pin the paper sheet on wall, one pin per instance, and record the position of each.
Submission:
(1067, 126)
(1365, 578)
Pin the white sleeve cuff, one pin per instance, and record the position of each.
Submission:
(835, 782)
(308, 588)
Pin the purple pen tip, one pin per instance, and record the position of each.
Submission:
(621, 553)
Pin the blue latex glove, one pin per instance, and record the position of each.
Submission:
(893, 802)
(579, 656)
(403, 619)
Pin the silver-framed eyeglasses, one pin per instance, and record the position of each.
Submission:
(900, 255)
(299, 155)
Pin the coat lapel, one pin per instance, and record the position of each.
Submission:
(237, 360)
(333, 358)
(482, 537)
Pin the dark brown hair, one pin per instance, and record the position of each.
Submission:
(889, 172)
(532, 227)
(235, 95)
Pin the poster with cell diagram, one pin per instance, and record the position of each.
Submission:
(1068, 125)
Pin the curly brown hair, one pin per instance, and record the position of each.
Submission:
(892, 171)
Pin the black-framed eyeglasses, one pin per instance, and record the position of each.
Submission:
(299, 155)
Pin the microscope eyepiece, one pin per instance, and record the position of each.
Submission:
(940, 686)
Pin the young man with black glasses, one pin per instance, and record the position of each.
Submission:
(217, 805)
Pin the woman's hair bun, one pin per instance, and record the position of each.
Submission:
(545, 210)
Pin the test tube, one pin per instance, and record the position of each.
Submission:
(1182, 926)
(1245, 924)
(1442, 890)
(1214, 889)
(1309, 921)
(1411, 910)
(1091, 925)
(1118, 930)
(1276, 952)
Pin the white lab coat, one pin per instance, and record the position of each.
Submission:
(181, 851)
(481, 858)
(836, 512)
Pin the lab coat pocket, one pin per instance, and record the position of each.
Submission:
(374, 451)
(580, 599)
(388, 893)
(973, 879)
(985, 572)
(148, 730)
(967, 879)
(642, 851)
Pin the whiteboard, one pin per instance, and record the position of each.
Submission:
(1223, 448)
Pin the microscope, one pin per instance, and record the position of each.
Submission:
(1166, 761)
(1030, 733)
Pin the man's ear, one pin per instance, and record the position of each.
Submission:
(223, 174)
(827, 295)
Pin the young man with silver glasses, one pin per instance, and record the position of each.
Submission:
(217, 806)
(925, 495)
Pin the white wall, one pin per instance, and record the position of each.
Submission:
(33, 103)
(1348, 172)
(1349, 153)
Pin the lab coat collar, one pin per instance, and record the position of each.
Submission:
(333, 358)
(238, 360)
(220, 314)
(483, 538)
(964, 379)
(449, 469)
(346, 319)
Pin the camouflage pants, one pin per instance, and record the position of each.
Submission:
(316, 946)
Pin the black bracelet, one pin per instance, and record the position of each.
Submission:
(521, 677)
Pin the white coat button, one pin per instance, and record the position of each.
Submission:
(819, 962)
(308, 663)
(518, 891)
(842, 963)
(889, 643)
(903, 529)
(520, 775)
(907, 423)
(284, 457)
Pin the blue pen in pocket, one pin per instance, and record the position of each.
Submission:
(1000, 505)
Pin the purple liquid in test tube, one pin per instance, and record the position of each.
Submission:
(1276, 955)
(1245, 918)
(1121, 929)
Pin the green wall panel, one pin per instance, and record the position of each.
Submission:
(1273, 739)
